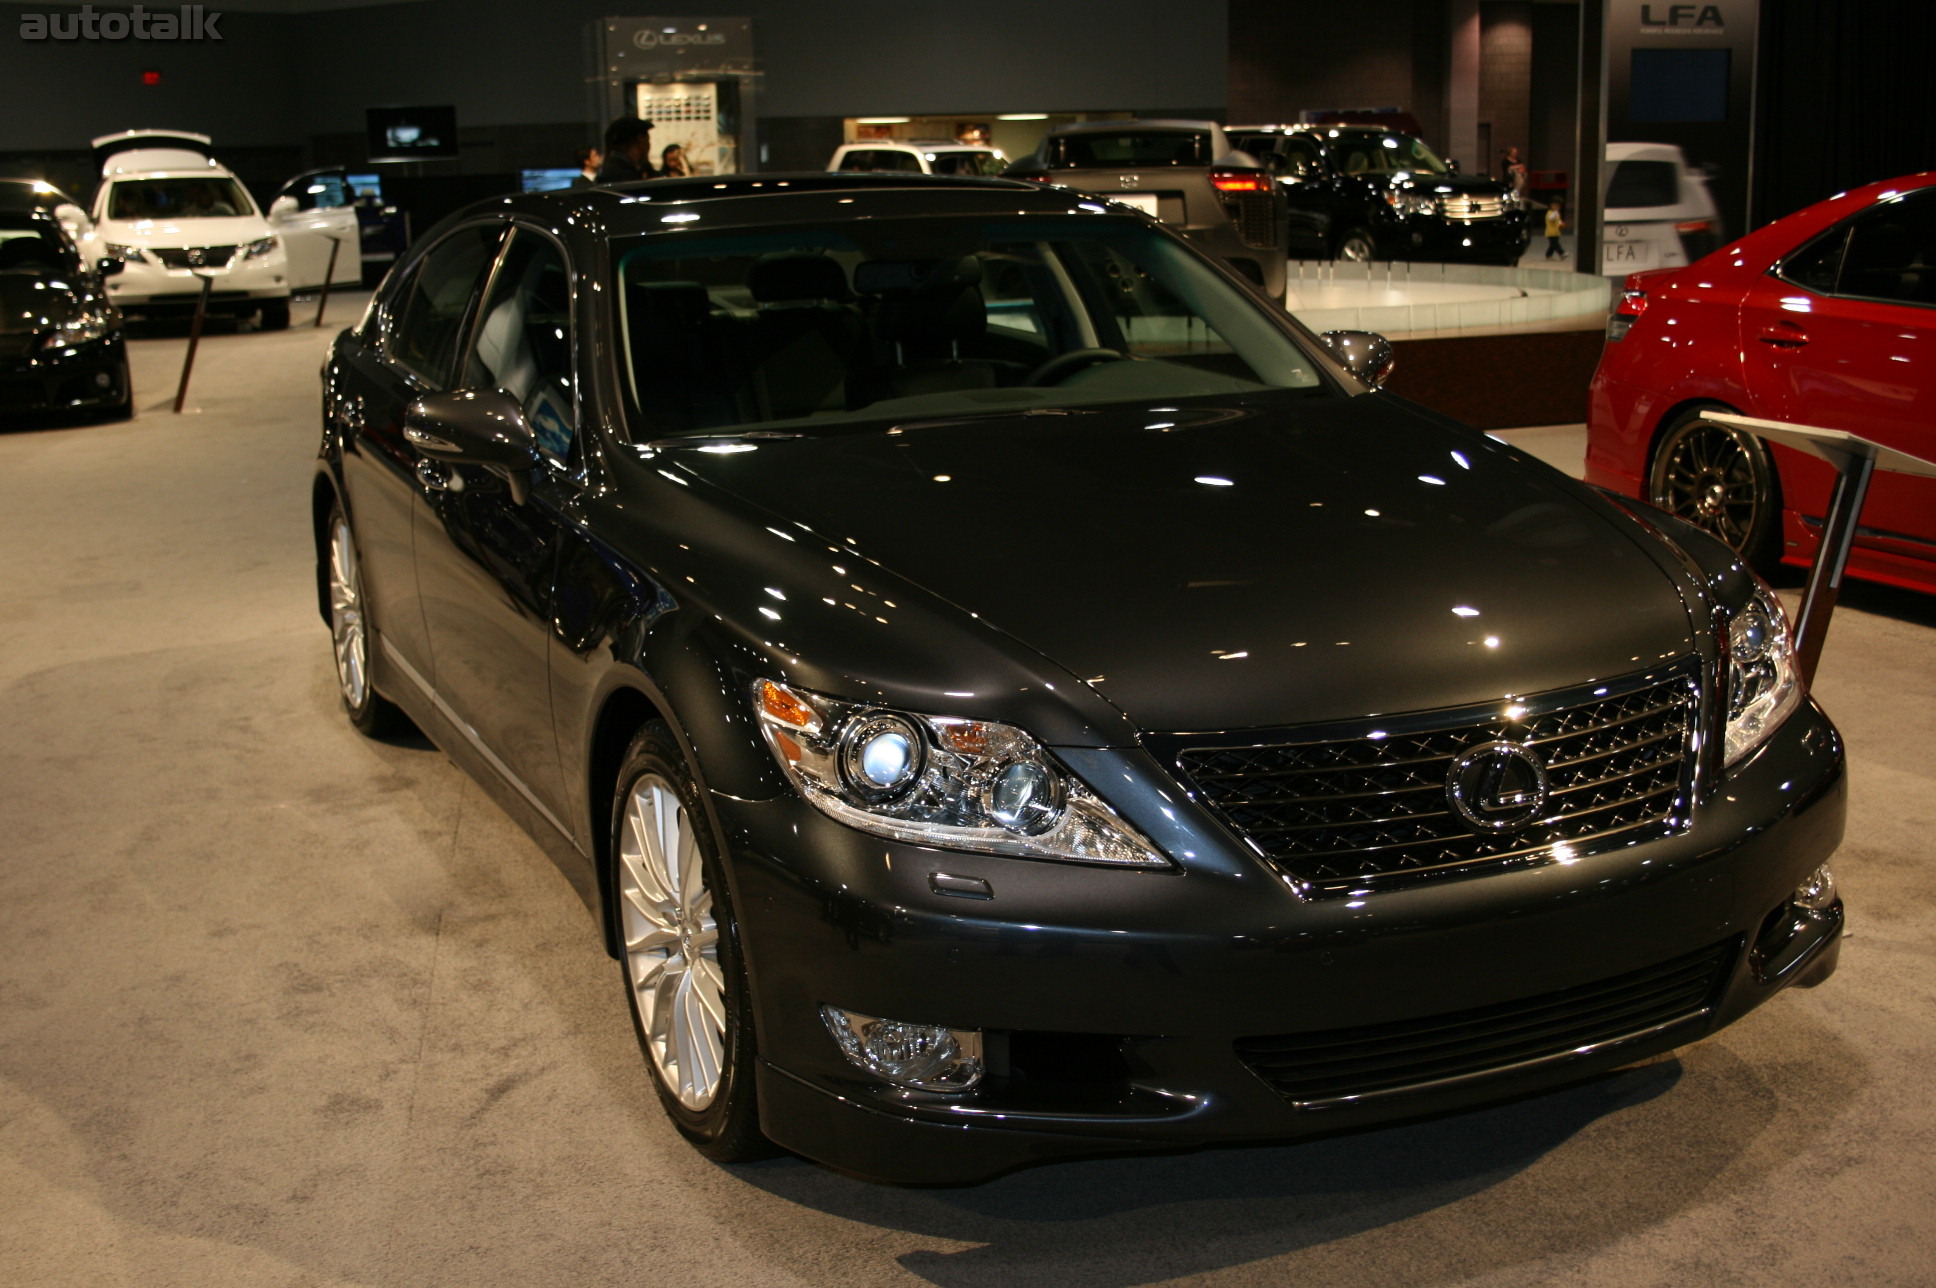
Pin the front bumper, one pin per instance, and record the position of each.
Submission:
(148, 287)
(87, 376)
(1113, 1002)
(1434, 238)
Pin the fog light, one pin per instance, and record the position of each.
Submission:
(101, 379)
(1817, 894)
(928, 1057)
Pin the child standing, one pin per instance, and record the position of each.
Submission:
(1555, 224)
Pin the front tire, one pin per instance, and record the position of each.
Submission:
(369, 712)
(1723, 481)
(685, 980)
(1356, 247)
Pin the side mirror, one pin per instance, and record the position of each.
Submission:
(109, 265)
(476, 427)
(1451, 165)
(1365, 354)
(284, 208)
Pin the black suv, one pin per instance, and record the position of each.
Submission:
(1184, 173)
(1358, 193)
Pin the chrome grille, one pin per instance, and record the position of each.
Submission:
(1316, 1069)
(1344, 814)
(1464, 206)
(193, 256)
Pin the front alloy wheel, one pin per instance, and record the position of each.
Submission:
(680, 951)
(1722, 481)
(368, 710)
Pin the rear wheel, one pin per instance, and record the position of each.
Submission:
(685, 981)
(1723, 481)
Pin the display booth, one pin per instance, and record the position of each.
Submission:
(693, 78)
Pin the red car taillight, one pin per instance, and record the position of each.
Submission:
(1632, 304)
(1239, 181)
(1695, 226)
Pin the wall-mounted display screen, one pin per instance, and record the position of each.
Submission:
(545, 180)
(1679, 85)
(412, 133)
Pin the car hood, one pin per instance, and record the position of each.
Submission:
(1274, 561)
(1466, 184)
(32, 302)
(216, 230)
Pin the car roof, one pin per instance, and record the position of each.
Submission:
(1645, 152)
(921, 145)
(1105, 127)
(755, 200)
(28, 195)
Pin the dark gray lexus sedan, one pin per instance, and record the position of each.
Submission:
(1006, 692)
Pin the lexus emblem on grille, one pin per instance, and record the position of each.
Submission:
(1129, 180)
(194, 256)
(1498, 786)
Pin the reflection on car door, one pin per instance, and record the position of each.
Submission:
(1855, 352)
(486, 565)
(408, 351)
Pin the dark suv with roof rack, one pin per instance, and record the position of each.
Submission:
(1186, 173)
(1361, 193)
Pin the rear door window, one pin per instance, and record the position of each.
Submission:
(1113, 149)
(429, 318)
(1638, 184)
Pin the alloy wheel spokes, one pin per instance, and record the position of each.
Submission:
(672, 942)
(346, 615)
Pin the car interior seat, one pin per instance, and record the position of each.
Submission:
(807, 334)
(686, 358)
(928, 320)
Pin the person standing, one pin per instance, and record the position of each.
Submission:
(1555, 225)
(628, 151)
(1513, 170)
(673, 163)
(589, 160)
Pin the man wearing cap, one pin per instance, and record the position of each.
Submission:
(628, 151)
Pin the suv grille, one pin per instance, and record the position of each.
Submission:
(1465, 206)
(1341, 814)
(194, 256)
(1312, 1069)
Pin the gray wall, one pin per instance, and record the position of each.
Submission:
(281, 79)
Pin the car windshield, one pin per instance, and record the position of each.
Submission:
(954, 316)
(980, 163)
(1642, 183)
(28, 245)
(1359, 154)
(192, 198)
(1129, 148)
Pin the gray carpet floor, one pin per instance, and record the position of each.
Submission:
(281, 1006)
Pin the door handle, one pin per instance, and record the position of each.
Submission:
(1783, 335)
(436, 477)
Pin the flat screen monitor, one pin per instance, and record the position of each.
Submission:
(412, 133)
(1672, 85)
(545, 180)
(366, 185)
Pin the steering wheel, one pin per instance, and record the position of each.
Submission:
(1064, 365)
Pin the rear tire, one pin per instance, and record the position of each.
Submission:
(1355, 247)
(1723, 481)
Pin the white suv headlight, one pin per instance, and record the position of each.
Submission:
(257, 249)
(942, 780)
(1764, 684)
(128, 254)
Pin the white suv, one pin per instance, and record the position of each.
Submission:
(1659, 213)
(919, 156)
(173, 215)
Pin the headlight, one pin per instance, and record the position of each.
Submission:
(127, 254)
(1411, 203)
(942, 780)
(80, 330)
(257, 249)
(1764, 685)
(1511, 199)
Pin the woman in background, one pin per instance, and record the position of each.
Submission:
(673, 163)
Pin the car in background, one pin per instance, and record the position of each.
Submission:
(1659, 212)
(1006, 692)
(174, 215)
(61, 347)
(918, 156)
(1826, 317)
(1187, 174)
(1361, 192)
(315, 215)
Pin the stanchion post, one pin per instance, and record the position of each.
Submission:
(194, 339)
(335, 245)
(1825, 578)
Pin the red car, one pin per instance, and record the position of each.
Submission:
(1826, 317)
